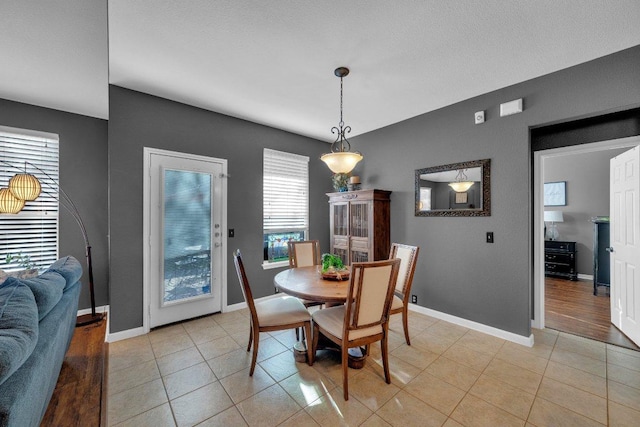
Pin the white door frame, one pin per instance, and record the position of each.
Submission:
(146, 212)
(539, 157)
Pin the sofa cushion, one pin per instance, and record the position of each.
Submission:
(18, 326)
(47, 289)
(69, 268)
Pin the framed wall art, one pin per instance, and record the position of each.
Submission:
(555, 193)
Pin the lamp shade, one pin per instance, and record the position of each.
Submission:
(461, 186)
(25, 186)
(553, 216)
(9, 203)
(342, 161)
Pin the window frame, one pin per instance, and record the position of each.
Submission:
(19, 232)
(273, 221)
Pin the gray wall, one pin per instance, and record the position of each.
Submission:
(587, 177)
(458, 273)
(138, 120)
(83, 175)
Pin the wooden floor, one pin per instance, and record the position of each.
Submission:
(570, 306)
(77, 399)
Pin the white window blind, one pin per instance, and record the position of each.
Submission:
(33, 231)
(285, 192)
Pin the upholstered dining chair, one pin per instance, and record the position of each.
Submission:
(304, 253)
(364, 318)
(274, 314)
(408, 256)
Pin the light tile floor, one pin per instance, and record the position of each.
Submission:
(197, 373)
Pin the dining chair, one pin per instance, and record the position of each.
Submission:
(408, 256)
(304, 253)
(275, 314)
(364, 318)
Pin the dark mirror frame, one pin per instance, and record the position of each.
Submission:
(485, 166)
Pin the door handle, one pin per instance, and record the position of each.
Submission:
(609, 249)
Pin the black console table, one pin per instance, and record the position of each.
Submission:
(560, 259)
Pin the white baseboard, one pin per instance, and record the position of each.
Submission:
(585, 276)
(132, 333)
(101, 309)
(489, 330)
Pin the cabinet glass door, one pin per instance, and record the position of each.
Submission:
(340, 219)
(360, 219)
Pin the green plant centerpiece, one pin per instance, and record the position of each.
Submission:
(333, 267)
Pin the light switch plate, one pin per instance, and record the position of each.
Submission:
(479, 117)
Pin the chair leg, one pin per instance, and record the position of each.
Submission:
(254, 357)
(250, 338)
(345, 370)
(385, 357)
(297, 334)
(405, 323)
(307, 328)
(314, 344)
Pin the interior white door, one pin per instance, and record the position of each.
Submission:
(185, 237)
(625, 242)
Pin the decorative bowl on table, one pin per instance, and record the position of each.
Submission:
(336, 274)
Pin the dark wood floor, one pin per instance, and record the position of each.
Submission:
(570, 306)
(77, 399)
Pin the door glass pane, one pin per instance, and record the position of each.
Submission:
(340, 220)
(187, 235)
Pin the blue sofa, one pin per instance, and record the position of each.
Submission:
(37, 321)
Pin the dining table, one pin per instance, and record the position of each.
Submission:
(309, 284)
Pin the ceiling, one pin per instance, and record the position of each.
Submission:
(272, 62)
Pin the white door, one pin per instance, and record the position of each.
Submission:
(185, 236)
(625, 243)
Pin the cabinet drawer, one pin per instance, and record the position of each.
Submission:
(552, 267)
(560, 246)
(558, 257)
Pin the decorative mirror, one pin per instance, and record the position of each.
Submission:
(458, 189)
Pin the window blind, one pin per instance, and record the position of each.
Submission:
(33, 231)
(285, 192)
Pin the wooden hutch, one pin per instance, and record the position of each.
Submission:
(360, 225)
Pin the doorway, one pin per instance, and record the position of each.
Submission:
(584, 283)
(184, 215)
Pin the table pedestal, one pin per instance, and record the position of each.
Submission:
(356, 357)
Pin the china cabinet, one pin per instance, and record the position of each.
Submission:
(360, 225)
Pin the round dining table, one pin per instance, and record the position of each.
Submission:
(307, 283)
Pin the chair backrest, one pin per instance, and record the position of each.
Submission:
(370, 293)
(304, 253)
(408, 256)
(244, 283)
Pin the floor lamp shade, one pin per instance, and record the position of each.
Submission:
(9, 203)
(25, 186)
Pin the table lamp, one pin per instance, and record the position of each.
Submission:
(553, 217)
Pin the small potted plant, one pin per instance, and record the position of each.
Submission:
(340, 181)
(333, 268)
(23, 261)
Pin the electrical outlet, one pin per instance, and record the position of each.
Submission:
(489, 236)
(232, 232)
(414, 299)
(277, 290)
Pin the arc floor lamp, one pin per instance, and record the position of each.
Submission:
(25, 187)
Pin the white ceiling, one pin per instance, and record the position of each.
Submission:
(272, 62)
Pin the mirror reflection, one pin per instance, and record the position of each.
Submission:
(459, 189)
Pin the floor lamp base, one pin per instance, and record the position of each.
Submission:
(87, 319)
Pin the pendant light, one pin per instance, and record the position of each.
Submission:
(340, 159)
(462, 183)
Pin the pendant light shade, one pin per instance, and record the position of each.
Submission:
(462, 183)
(9, 203)
(25, 186)
(341, 162)
(341, 159)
